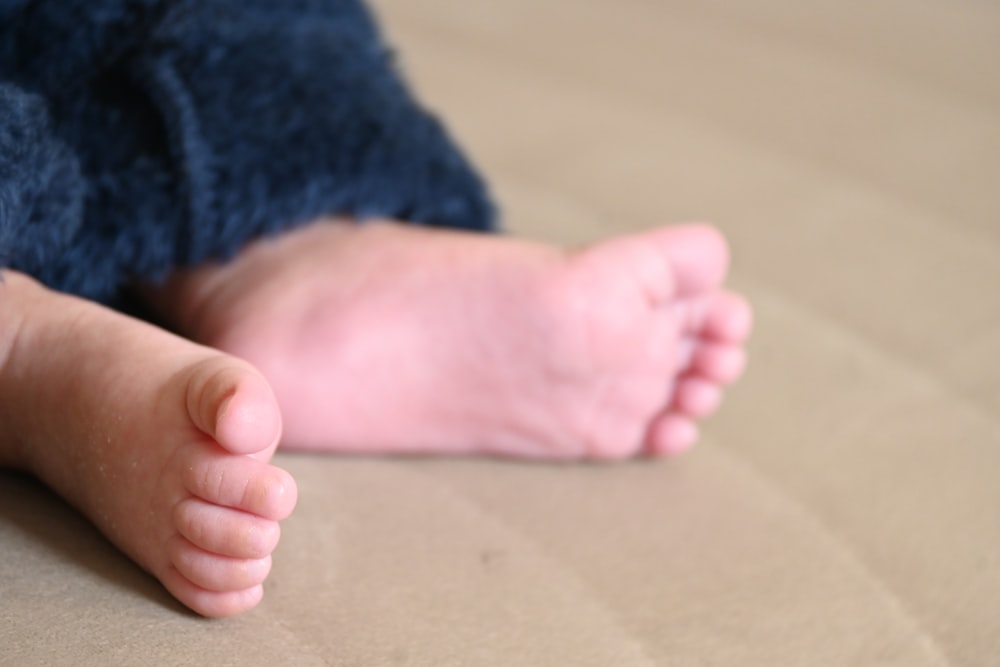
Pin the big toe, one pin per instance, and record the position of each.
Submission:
(669, 263)
(698, 254)
(230, 401)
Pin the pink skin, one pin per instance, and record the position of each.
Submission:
(162, 443)
(386, 338)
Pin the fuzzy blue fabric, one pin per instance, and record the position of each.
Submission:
(41, 191)
(199, 125)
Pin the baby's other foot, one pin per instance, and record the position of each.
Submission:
(383, 337)
(162, 443)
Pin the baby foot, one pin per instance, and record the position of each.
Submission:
(389, 338)
(162, 443)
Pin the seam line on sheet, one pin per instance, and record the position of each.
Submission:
(901, 610)
(875, 348)
(478, 508)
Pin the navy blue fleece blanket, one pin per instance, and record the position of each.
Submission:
(140, 135)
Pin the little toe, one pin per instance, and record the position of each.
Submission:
(241, 483)
(213, 604)
(217, 573)
(696, 397)
(225, 531)
(671, 434)
(230, 401)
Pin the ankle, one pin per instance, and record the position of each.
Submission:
(17, 292)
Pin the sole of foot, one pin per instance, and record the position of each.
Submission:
(387, 338)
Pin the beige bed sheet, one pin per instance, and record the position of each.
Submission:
(844, 507)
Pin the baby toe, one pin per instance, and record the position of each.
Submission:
(213, 604)
(216, 573)
(225, 531)
(670, 434)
